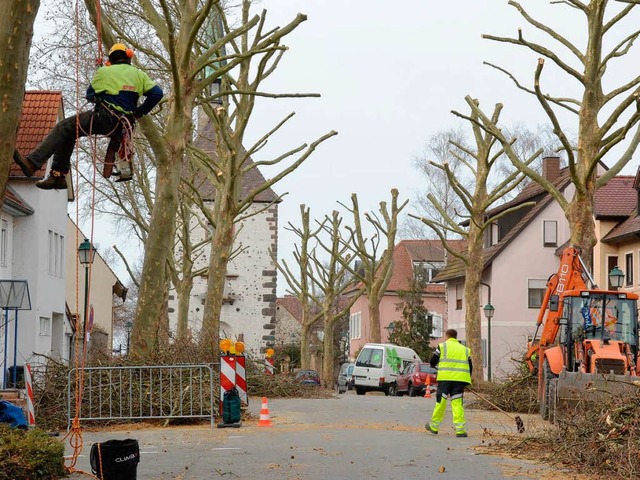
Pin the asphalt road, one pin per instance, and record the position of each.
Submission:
(345, 437)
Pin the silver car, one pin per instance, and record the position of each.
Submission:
(345, 380)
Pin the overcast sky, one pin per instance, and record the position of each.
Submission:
(389, 74)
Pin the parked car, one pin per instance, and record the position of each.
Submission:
(413, 378)
(378, 365)
(345, 377)
(308, 377)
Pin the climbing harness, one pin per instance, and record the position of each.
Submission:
(120, 145)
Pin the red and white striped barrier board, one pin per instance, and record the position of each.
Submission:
(227, 375)
(28, 380)
(269, 366)
(241, 379)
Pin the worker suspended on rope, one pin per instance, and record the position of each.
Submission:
(115, 90)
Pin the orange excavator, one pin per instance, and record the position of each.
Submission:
(589, 338)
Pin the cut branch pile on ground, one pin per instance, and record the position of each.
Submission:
(599, 436)
(516, 394)
(137, 390)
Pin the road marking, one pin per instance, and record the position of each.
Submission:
(226, 448)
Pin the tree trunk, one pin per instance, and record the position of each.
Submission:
(16, 32)
(327, 361)
(183, 292)
(579, 214)
(305, 358)
(221, 248)
(374, 318)
(473, 335)
(161, 238)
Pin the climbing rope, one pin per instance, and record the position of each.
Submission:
(74, 435)
(124, 128)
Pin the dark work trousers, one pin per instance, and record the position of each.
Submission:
(62, 139)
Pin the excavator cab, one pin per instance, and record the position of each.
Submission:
(602, 316)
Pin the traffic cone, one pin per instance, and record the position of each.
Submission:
(427, 387)
(264, 414)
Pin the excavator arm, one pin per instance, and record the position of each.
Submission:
(570, 276)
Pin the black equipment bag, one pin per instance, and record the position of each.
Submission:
(115, 459)
(231, 406)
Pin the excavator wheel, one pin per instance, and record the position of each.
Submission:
(546, 402)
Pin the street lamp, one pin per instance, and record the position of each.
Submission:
(390, 328)
(616, 277)
(86, 254)
(128, 326)
(489, 310)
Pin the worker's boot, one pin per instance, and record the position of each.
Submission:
(123, 170)
(27, 167)
(55, 181)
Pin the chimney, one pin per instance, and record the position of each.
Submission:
(551, 168)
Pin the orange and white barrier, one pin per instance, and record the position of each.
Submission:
(227, 375)
(28, 380)
(241, 379)
(269, 369)
(264, 414)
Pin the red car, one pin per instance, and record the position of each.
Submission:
(413, 378)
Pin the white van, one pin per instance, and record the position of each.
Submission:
(378, 366)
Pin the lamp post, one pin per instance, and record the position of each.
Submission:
(488, 313)
(128, 326)
(616, 277)
(390, 328)
(86, 254)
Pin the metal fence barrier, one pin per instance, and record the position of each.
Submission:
(143, 392)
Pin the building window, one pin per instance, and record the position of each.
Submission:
(45, 326)
(459, 294)
(491, 235)
(495, 233)
(56, 254)
(428, 269)
(4, 243)
(436, 326)
(536, 291)
(355, 325)
(550, 233)
(628, 261)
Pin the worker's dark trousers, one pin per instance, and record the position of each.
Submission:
(62, 139)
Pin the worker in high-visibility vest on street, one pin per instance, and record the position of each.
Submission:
(453, 361)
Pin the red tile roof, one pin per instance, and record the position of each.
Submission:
(291, 305)
(15, 201)
(626, 230)
(40, 112)
(617, 198)
(409, 251)
(531, 193)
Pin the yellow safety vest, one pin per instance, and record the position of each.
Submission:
(454, 362)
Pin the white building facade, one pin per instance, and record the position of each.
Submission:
(249, 309)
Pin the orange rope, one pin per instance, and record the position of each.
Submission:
(99, 30)
(75, 433)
